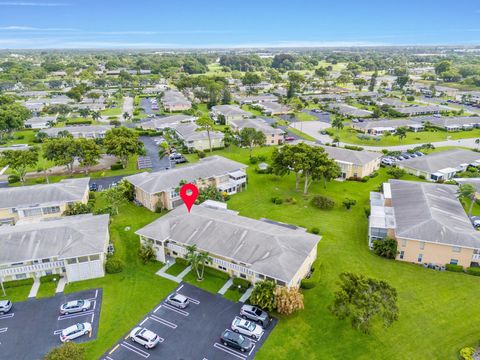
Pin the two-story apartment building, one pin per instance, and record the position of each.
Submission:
(427, 220)
(196, 139)
(273, 136)
(41, 201)
(72, 246)
(158, 123)
(80, 131)
(242, 247)
(229, 112)
(160, 189)
(352, 163)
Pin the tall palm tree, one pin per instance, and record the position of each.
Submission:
(468, 191)
(477, 141)
(197, 260)
(96, 115)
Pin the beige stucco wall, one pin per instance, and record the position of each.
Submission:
(305, 268)
(352, 170)
(432, 253)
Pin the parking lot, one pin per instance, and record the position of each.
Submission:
(32, 328)
(192, 333)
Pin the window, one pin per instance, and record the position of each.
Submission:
(243, 276)
(453, 261)
(420, 257)
(422, 245)
(32, 212)
(83, 259)
(20, 276)
(404, 242)
(456, 249)
(71, 261)
(51, 210)
(94, 257)
(402, 254)
(281, 283)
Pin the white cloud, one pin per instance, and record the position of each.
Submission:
(32, 28)
(22, 3)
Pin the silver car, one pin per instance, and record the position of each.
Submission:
(178, 301)
(75, 331)
(144, 337)
(5, 306)
(75, 306)
(247, 328)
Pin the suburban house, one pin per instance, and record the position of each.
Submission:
(442, 165)
(229, 112)
(427, 220)
(469, 97)
(271, 108)
(390, 101)
(80, 131)
(158, 123)
(351, 111)
(173, 100)
(354, 164)
(475, 182)
(160, 189)
(384, 126)
(41, 201)
(242, 247)
(40, 122)
(72, 246)
(196, 139)
(274, 136)
(452, 123)
(418, 110)
(255, 99)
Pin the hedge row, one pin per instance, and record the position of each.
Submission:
(49, 278)
(243, 283)
(454, 268)
(17, 283)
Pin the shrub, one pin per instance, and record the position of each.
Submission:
(146, 253)
(352, 147)
(244, 284)
(181, 261)
(374, 174)
(315, 230)
(17, 283)
(114, 266)
(467, 353)
(261, 158)
(395, 172)
(454, 268)
(13, 179)
(475, 271)
(386, 248)
(421, 177)
(291, 200)
(49, 278)
(313, 280)
(253, 160)
(201, 154)
(365, 178)
(66, 351)
(77, 208)
(288, 300)
(323, 202)
(116, 166)
(277, 200)
(263, 295)
(348, 203)
(78, 122)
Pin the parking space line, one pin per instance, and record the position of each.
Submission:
(96, 293)
(93, 317)
(181, 286)
(7, 316)
(158, 307)
(135, 349)
(253, 347)
(163, 321)
(2, 330)
(69, 316)
(230, 351)
(56, 332)
(181, 312)
(108, 358)
(115, 348)
(143, 322)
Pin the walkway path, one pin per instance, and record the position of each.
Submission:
(34, 290)
(178, 278)
(225, 287)
(127, 106)
(246, 295)
(61, 285)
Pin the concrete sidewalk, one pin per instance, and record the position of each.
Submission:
(34, 290)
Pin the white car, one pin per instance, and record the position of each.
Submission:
(145, 337)
(5, 306)
(247, 327)
(178, 301)
(75, 331)
(75, 306)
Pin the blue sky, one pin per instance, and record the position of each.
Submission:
(241, 23)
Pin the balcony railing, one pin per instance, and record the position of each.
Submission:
(22, 269)
(476, 257)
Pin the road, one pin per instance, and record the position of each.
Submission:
(152, 151)
(127, 106)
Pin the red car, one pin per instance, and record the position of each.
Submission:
(289, 138)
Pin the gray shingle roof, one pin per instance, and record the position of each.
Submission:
(67, 190)
(80, 129)
(160, 122)
(64, 237)
(267, 248)
(441, 160)
(256, 124)
(431, 212)
(191, 132)
(164, 180)
(231, 110)
(351, 156)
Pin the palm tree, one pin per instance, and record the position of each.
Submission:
(96, 115)
(468, 191)
(197, 260)
(401, 132)
(126, 115)
(337, 123)
(477, 141)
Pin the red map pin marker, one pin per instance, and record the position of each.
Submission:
(189, 194)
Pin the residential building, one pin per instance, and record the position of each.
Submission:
(442, 165)
(352, 163)
(72, 246)
(348, 110)
(469, 97)
(255, 99)
(41, 201)
(160, 189)
(173, 100)
(271, 108)
(229, 112)
(418, 110)
(195, 139)
(381, 127)
(452, 123)
(273, 136)
(81, 131)
(427, 220)
(40, 122)
(251, 249)
(158, 123)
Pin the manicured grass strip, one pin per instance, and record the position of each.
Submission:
(212, 282)
(175, 269)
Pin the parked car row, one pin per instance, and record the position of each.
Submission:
(251, 323)
(391, 160)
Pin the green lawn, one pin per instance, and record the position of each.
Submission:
(21, 137)
(112, 111)
(251, 110)
(129, 295)
(233, 295)
(301, 116)
(175, 269)
(212, 282)
(46, 289)
(349, 135)
(16, 294)
(301, 134)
